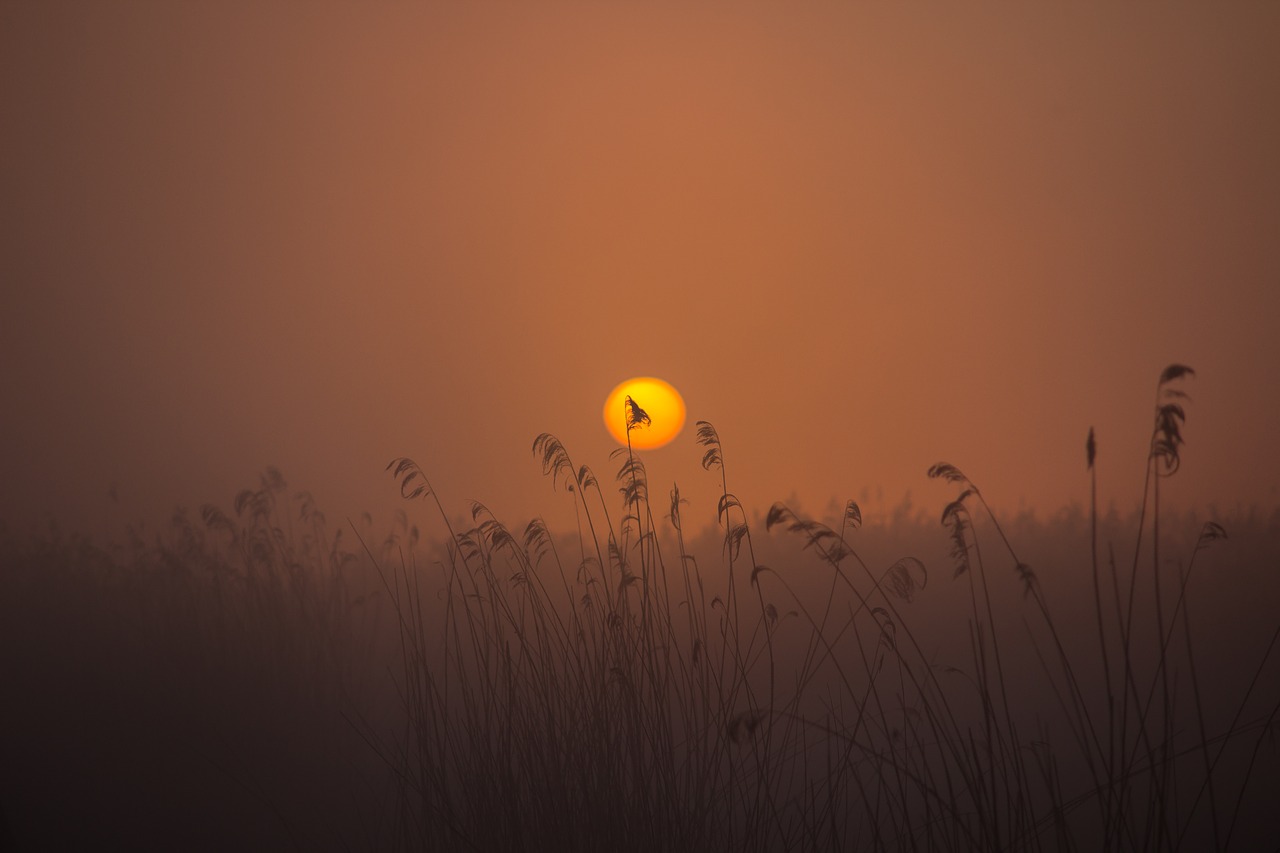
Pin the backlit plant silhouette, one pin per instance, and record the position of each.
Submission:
(613, 698)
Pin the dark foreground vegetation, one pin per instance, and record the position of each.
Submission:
(257, 678)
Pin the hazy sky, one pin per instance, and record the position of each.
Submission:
(859, 238)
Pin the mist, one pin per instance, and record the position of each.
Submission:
(253, 259)
(235, 239)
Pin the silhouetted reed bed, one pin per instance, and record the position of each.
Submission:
(184, 689)
(776, 682)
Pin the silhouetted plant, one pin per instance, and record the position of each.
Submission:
(682, 732)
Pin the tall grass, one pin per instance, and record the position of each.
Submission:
(778, 682)
(608, 696)
(183, 689)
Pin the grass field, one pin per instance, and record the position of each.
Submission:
(664, 677)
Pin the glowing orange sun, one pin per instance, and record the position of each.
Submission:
(657, 416)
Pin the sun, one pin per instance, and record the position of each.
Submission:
(657, 399)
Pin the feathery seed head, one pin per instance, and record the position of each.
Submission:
(636, 416)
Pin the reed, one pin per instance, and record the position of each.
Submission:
(776, 682)
(609, 699)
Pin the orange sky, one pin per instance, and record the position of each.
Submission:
(859, 241)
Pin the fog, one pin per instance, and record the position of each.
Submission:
(251, 255)
(858, 241)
